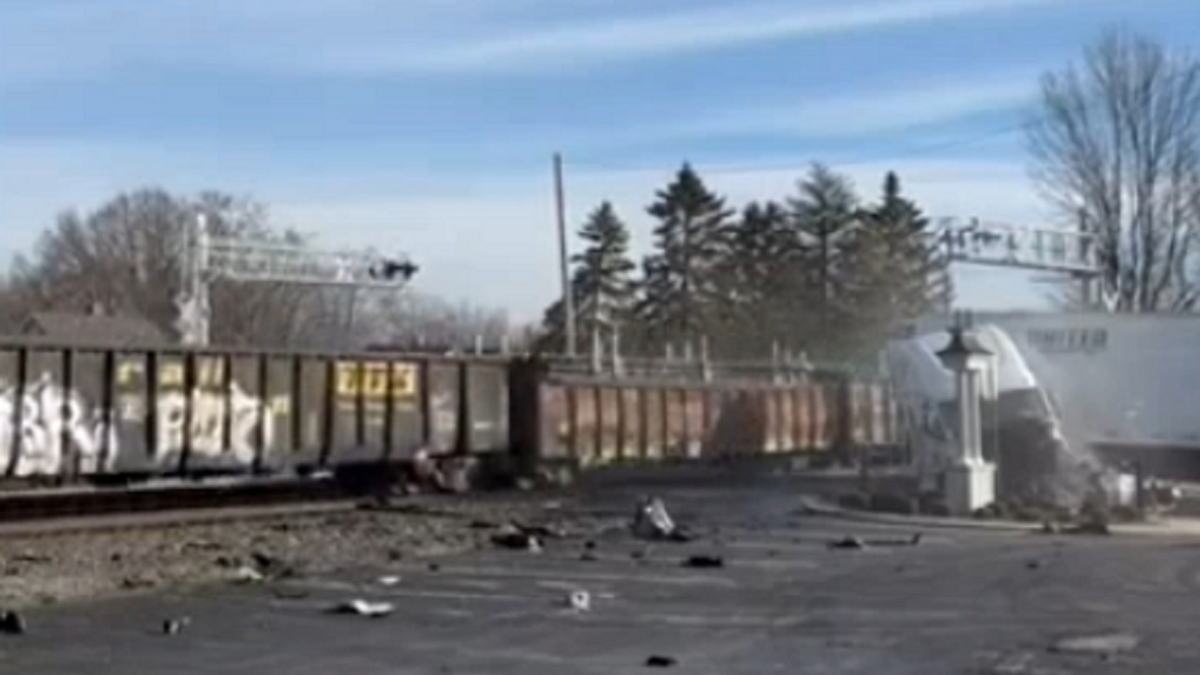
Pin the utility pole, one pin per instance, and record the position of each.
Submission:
(564, 261)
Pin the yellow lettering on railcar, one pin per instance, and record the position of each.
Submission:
(372, 380)
(208, 373)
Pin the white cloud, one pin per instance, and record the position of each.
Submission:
(839, 117)
(53, 38)
(861, 113)
(625, 39)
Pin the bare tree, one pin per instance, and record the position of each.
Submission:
(1116, 149)
(419, 321)
(128, 255)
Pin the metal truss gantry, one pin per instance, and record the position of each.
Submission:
(1040, 249)
(209, 258)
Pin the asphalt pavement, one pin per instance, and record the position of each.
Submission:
(961, 602)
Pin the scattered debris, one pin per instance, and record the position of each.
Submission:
(388, 580)
(852, 543)
(657, 661)
(579, 601)
(12, 623)
(434, 567)
(589, 545)
(704, 561)
(361, 607)
(290, 593)
(1105, 644)
(1033, 564)
(482, 525)
(271, 567)
(247, 575)
(517, 540)
(651, 521)
(175, 626)
(30, 558)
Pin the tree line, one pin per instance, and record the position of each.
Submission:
(822, 271)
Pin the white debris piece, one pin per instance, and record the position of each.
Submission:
(389, 580)
(247, 575)
(365, 608)
(651, 520)
(579, 601)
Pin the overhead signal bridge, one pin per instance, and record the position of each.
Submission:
(210, 258)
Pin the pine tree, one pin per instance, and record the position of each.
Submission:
(900, 271)
(762, 246)
(682, 295)
(602, 283)
(825, 214)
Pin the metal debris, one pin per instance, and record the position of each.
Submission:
(365, 608)
(658, 661)
(850, 543)
(514, 538)
(388, 580)
(175, 626)
(12, 623)
(652, 521)
(704, 561)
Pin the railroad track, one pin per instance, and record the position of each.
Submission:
(55, 511)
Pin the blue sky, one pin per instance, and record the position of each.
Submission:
(428, 125)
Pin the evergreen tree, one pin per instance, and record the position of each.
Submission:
(825, 213)
(900, 272)
(762, 247)
(682, 295)
(602, 283)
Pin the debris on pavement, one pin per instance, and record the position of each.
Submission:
(12, 623)
(704, 561)
(247, 575)
(271, 567)
(658, 661)
(652, 521)
(538, 531)
(849, 543)
(175, 626)
(580, 601)
(388, 580)
(513, 538)
(1105, 644)
(365, 608)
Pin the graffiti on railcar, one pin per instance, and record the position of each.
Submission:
(225, 416)
(43, 425)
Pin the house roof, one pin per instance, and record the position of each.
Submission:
(93, 330)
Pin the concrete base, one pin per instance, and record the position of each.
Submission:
(970, 485)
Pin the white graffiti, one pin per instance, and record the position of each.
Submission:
(208, 419)
(47, 427)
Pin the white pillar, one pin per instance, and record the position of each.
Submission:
(970, 480)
